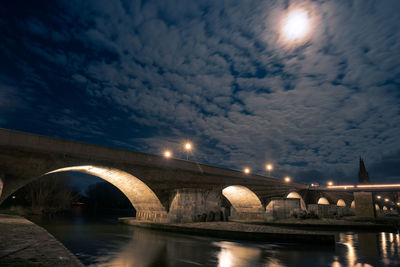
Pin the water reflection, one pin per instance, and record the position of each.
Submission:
(370, 249)
(235, 255)
(109, 244)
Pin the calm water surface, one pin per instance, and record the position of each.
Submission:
(98, 241)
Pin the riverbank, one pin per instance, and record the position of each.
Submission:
(391, 224)
(27, 244)
(239, 231)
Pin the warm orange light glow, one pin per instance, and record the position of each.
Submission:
(378, 197)
(188, 146)
(269, 167)
(378, 185)
(246, 170)
(386, 200)
(330, 183)
(167, 154)
(340, 186)
(287, 179)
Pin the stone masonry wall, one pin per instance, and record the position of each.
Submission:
(281, 208)
(191, 205)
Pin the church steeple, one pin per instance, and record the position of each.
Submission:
(363, 177)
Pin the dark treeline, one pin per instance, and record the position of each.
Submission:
(54, 194)
(105, 195)
(49, 194)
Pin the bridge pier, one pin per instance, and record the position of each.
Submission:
(193, 204)
(281, 208)
(154, 216)
(364, 204)
(1, 183)
(250, 215)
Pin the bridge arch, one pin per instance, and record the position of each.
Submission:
(143, 199)
(297, 195)
(341, 203)
(242, 199)
(323, 201)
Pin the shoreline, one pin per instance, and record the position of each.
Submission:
(24, 242)
(333, 224)
(239, 231)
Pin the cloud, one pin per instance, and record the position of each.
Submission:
(215, 72)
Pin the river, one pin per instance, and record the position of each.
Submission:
(101, 241)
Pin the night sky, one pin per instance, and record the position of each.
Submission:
(148, 75)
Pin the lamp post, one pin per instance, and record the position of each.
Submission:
(287, 179)
(188, 148)
(246, 170)
(269, 168)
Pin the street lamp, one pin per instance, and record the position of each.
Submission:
(167, 154)
(287, 179)
(386, 200)
(246, 170)
(378, 197)
(330, 183)
(188, 147)
(269, 168)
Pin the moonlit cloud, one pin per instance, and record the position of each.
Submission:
(148, 75)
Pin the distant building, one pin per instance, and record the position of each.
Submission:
(363, 177)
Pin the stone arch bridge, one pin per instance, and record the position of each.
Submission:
(160, 189)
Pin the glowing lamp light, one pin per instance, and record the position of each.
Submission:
(167, 154)
(188, 146)
(386, 200)
(287, 179)
(330, 183)
(246, 170)
(378, 197)
(269, 167)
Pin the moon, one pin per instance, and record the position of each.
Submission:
(297, 24)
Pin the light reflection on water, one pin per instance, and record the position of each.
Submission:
(108, 244)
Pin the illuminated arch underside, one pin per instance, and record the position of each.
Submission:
(243, 199)
(138, 193)
(296, 195)
(323, 201)
(341, 203)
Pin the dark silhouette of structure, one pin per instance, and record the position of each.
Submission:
(363, 177)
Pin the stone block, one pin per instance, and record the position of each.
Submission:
(364, 204)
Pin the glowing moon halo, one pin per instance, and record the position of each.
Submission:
(296, 25)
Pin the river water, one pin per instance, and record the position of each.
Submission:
(100, 241)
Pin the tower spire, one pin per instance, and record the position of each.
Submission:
(363, 177)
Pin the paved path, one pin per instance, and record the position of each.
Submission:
(22, 239)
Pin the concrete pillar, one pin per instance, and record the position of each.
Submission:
(364, 204)
(192, 204)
